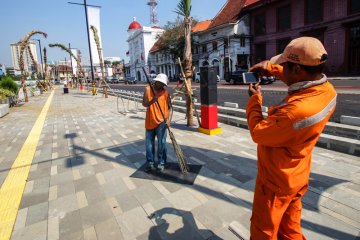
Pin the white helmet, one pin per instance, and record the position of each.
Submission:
(162, 78)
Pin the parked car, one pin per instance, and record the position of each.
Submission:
(130, 80)
(236, 77)
(114, 80)
(197, 77)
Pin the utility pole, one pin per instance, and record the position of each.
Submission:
(88, 34)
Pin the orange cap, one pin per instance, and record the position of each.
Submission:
(306, 51)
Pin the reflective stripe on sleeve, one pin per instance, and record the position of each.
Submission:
(318, 117)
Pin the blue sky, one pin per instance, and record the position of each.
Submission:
(65, 23)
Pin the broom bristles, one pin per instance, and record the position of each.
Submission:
(179, 154)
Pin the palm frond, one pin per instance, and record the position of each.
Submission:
(184, 8)
(71, 54)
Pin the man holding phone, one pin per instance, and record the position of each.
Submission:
(287, 137)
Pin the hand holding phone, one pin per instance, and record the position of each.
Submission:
(250, 77)
(254, 89)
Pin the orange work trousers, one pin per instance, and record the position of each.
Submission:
(276, 216)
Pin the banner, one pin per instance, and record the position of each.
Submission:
(73, 61)
(94, 20)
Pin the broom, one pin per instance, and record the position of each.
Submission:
(179, 153)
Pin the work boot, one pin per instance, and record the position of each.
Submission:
(150, 167)
(160, 168)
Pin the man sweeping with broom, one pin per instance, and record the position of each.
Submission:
(156, 121)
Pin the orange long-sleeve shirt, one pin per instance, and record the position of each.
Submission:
(153, 114)
(288, 135)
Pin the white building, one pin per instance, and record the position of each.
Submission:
(226, 37)
(112, 59)
(28, 64)
(140, 40)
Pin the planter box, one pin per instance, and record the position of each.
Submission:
(4, 109)
(5, 101)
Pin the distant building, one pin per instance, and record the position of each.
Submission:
(162, 61)
(12, 72)
(112, 59)
(223, 42)
(2, 69)
(28, 64)
(64, 69)
(115, 68)
(336, 23)
(140, 40)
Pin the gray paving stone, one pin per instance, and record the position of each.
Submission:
(70, 223)
(37, 231)
(183, 200)
(147, 193)
(35, 197)
(127, 201)
(134, 223)
(113, 188)
(61, 178)
(94, 195)
(61, 206)
(108, 230)
(37, 213)
(65, 188)
(95, 213)
(85, 183)
(103, 167)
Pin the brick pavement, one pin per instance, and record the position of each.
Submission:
(79, 185)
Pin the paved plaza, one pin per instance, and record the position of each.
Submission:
(79, 184)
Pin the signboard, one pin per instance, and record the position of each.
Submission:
(94, 20)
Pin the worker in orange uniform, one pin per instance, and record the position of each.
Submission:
(287, 137)
(155, 124)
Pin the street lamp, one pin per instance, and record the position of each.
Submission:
(41, 66)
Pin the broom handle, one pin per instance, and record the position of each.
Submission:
(153, 91)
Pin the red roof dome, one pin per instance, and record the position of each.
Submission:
(134, 25)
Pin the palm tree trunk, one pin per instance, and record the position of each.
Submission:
(188, 71)
(22, 70)
(96, 38)
(23, 44)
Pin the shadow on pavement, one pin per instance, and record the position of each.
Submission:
(188, 231)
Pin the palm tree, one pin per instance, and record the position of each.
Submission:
(23, 44)
(184, 9)
(38, 74)
(96, 38)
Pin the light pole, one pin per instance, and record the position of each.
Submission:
(88, 34)
(41, 66)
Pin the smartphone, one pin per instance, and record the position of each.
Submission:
(250, 77)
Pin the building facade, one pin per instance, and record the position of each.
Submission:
(225, 42)
(15, 55)
(274, 23)
(140, 40)
(162, 61)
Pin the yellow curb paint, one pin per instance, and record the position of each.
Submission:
(14, 185)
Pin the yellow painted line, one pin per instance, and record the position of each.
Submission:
(14, 185)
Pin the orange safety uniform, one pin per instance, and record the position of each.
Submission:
(153, 114)
(285, 141)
